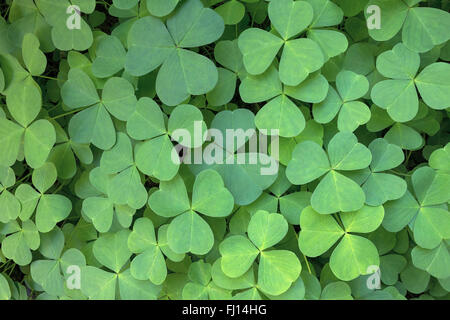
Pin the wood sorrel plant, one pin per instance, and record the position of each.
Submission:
(347, 100)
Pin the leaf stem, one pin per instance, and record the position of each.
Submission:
(68, 113)
(306, 259)
(58, 189)
(22, 179)
(408, 156)
(47, 77)
(6, 13)
(106, 4)
(11, 270)
(400, 174)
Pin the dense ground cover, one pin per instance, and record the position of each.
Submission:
(96, 98)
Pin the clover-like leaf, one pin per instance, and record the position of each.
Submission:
(335, 191)
(350, 86)
(149, 263)
(277, 270)
(423, 28)
(51, 273)
(379, 186)
(20, 241)
(430, 218)
(187, 221)
(201, 287)
(125, 188)
(300, 57)
(354, 254)
(111, 250)
(50, 208)
(191, 26)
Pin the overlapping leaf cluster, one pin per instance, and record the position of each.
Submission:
(88, 122)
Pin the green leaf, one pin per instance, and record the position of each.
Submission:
(400, 212)
(346, 153)
(277, 270)
(425, 28)
(291, 205)
(351, 86)
(67, 39)
(336, 291)
(132, 289)
(185, 73)
(331, 42)
(184, 228)
(390, 267)
(404, 137)
(100, 211)
(52, 208)
(398, 97)
(18, 245)
(5, 291)
(171, 199)
(209, 195)
(309, 162)
(299, 15)
(11, 136)
(193, 25)
(232, 12)
(429, 186)
(224, 91)
(24, 101)
(399, 63)
(93, 125)
(238, 255)
(433, 261)
(283, 115)
(393, 15)
(433, 84)
(44, 177)
(313, 90)
(365, 220)
(258, 48)
(98, 284)
(118, 98)
(11, 207)
(38, 142)
(431, 227)
(336, 192)
(267, 229)
(111, 250)
(161, 8)
(318, 233)
(439, 159)
(186, 117)
(147, 50)
(326, 13)
(149, 263)
(79, 90)
(125, 4)
(300, 58)
(34, 59)
(146, 121)
(110, 57)
(384, 155)
(352, 257)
